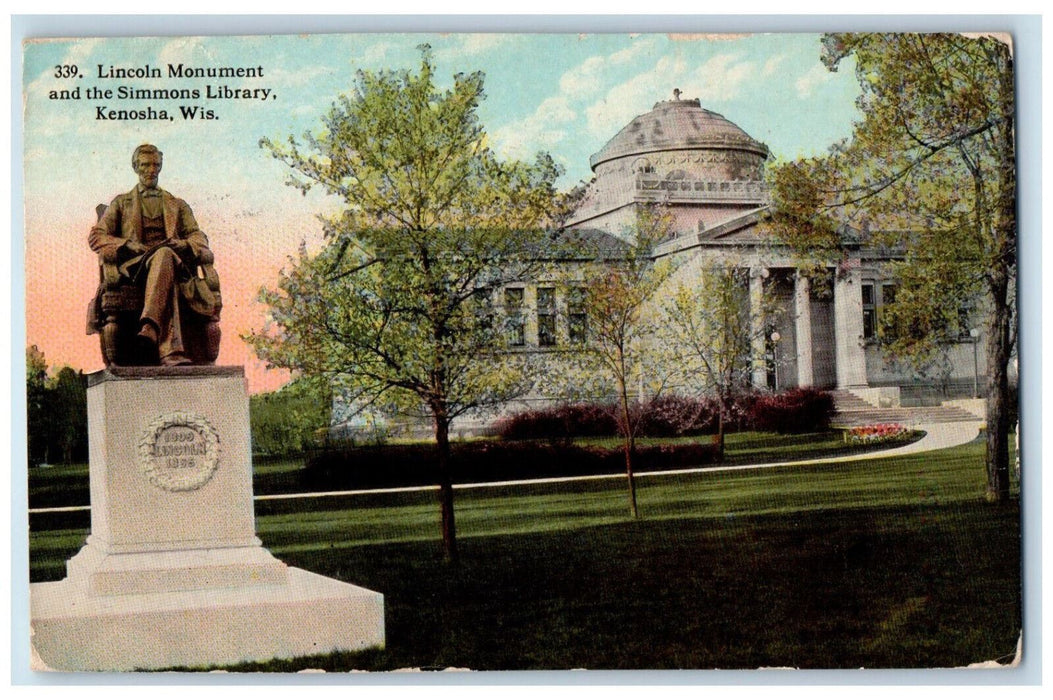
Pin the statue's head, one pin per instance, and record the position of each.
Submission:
(146, 162)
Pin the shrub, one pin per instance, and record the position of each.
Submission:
(387, 466)
(291, 420)
(676, 416)
(793, 411)
(562, 422)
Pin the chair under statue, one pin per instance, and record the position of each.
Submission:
(114, 313)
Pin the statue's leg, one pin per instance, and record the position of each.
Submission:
(161, 305)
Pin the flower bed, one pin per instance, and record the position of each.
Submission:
(876, 434)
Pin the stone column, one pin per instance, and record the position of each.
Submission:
(758, 360)
(803, 318)
(848, 328)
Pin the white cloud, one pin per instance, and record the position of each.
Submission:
(817, 75)
(633, 97)
(189, 50)
(471, 45)
(772, 65)
(588, 77)
(636, 50)
(719, 79)
(722, 77)
(541, 130)
(376, 53)
(584, 78)
(546, 127)
(297, 77)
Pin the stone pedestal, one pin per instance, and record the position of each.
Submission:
(173, 573)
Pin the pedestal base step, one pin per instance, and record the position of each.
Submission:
(76, 630)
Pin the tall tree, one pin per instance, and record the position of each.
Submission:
(711, 329)
(398, 307)
(929, 173)
(36, 405)
(57, 411)
(67, 408)
(623, 325)
(293, 419)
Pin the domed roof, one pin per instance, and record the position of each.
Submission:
(677, 125)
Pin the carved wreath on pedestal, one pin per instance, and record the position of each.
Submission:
(179, 451)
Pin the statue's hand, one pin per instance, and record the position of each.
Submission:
(134, 247)
(180, 246)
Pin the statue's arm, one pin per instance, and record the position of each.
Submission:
(105, 238)
(193, 235)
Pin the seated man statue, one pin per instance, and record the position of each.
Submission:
(155, 243)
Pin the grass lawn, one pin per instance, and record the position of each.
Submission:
(878, 563)
(762, 448)
(67, 485)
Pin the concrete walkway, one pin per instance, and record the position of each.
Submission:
(938, 436)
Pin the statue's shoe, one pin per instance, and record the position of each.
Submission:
(146, 341)
(148, 334)
(176, 359)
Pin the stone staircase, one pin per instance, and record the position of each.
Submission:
(850, 410)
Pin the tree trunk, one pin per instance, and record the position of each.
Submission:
(630, 452)
(449, 526)
(720, 431)
(1000, 316)
(998, 395)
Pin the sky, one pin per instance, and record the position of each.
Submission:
(567, 94)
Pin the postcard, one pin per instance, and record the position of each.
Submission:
(520, 351)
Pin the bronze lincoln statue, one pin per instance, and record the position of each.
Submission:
(158, 300)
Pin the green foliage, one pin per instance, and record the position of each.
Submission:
(930, 176)
(36, 404)
(399, 306)
(291, 420)
(712, 328)
(622, 352)
(399, 303)
(57, 412)
(622, 349)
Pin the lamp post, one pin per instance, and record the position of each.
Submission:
(975, 335)
(775, 338)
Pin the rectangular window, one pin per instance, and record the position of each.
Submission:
(546, 330)
(514, 312)
(577, 326)
(888, 297)
(869, 313)
(482, 307)
(965, 320)
(546, 316)
(546, 298)
(514, 298)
